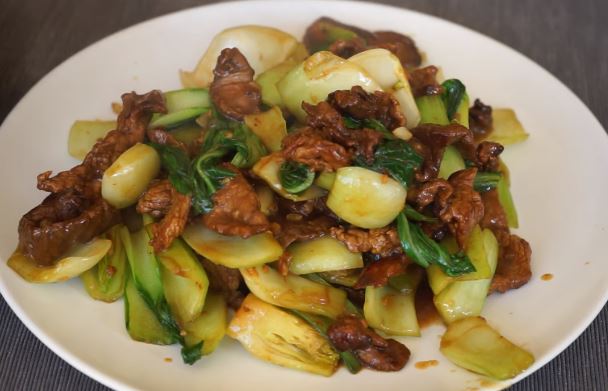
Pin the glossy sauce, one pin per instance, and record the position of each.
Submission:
(425, 308)
(426, 364)
(546, 277)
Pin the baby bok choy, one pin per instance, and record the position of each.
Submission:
(209, 328)
(84, 134)
(321, 255)
(472, 344)
(276, 336)
(106, 280)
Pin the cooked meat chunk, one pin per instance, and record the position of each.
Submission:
(236, 209)
(381, 241)
(360, 104)
(464, 208)
(377, 273)
(434, 140)
(423, 81)
(305, 208)
(321, 35)
(305, 229)
(131, 128)
(434, 192)
(308, 147)
(225, 280)
(350, 333)
(156, 201)
(480, 119)
(233, 90)
(62, 220)
(162, 137)
(487, 156)
(173, 223)
(513, 268)
(494, 216)
(400, 45)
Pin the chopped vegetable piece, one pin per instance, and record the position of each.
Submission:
(186, 98)
(453, 94)
(432, 110)
(171, 120)
(295, 177)
(425, 251)
(268, 169)
(269, 79)
(451, 162)
(187, 133)
(78, 260)
(506, 200)
(209, 327)
(232, 251)
(294, 292)
(185, 282)
(486, 181)
(365, 198)
(106, 280)
(325, 180)
(413, 215)
(320, 255)
(84, 134)
(318, 76)
(472, 344)
(396, 158)
(506, 129)
(269, 126)
(129, 176)
(281, 338)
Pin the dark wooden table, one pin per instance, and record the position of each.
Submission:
(567, 37)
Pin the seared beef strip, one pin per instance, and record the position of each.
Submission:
(487, 156)
(494, 216)
(480, 119)
(162, 137)
(423, 81)
(377, 273)
(401, 46)
(131, 128)
(289, 231)
(236, 209)
(382, 241)
(513, 269)
(156, 201)
(233, 91)
(225, 280)
(308, 147)
(173, 223)
(350, 333)
(434, 139)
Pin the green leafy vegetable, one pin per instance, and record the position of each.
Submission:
(396, 158)
(414, 215)
(321, 325)
(295, 177)
(453, 93)
(425, 251)
(486, 181)
(191, 354)
(369, 123)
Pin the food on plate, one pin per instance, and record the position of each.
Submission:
(298, 197)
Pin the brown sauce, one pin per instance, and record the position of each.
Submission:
(426, 364)
(425, 308)
(546, 277)
(168, 359)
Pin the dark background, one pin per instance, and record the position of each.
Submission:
(567, 37)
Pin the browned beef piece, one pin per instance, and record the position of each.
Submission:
(494, 216)
(464, 208)
(131, 128)
(156, 201)
(434, 192)
(400, 45)
(63, 219)
(305, 208)
(434, 139)
(377, 273)
(423, 81)
(381, 241)
(360, 104)
(162, 137)
(225, 280)
(487, 156)
(318, 36)
(480, 119)
(233, 90)
(308, 147)
(513, 268)
(236, 209)
(173, 223)
(290, 231)
(350, 333)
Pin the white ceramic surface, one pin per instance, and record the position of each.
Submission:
(558, 176)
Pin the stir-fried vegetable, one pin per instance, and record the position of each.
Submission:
(182, 106)
(295, 177)
(396, 158)
(232, 251)
(506, 128)
(365, 198)
(209, 328)
(269, 79)
(129, 176)
(281, 338)
(473, 344)
(84, 134)
(269, 126)
(294, 292)
(485, 181)
(321, 255)
(454, 96)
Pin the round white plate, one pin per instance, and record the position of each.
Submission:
(558, 179)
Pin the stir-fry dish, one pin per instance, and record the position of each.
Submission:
(299, 197)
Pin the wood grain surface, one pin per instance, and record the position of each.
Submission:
(567, 37)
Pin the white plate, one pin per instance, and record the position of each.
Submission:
(558, 175)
